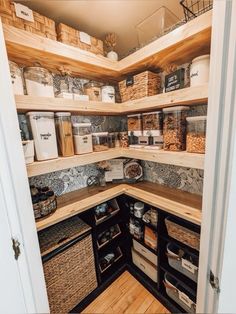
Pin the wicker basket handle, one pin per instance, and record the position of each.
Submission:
(62, 240)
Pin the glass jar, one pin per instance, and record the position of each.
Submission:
(111, 140)
(152, 123)
(196, 134)
(93, 90)
(64, 133)
(100, 141)
(174, 130)
(108, 93)
(124, 139)
(82, 134)
(138, 230)
(16, 78)
(138, 209)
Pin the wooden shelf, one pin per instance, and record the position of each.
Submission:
(182, 204)
(187, 96)
(179, 46)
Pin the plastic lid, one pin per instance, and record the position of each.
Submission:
(197, 118)
(154, 112)
(40, 113)
(138, 205)
(100, 134)
(178, 108)
(201, 58)
(79, 125)
(62, 114)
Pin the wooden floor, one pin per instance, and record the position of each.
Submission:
(125, 295)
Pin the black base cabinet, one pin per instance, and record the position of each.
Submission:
(175, 268)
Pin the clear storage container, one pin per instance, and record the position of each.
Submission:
(174, 128)
(108, 93)
(135, 125)
(196, 134)
(38, 82)
(100, 141)
(124, 139)
(64, 133)
(152, 123)
(16, 78)
(82, 138)
(44, 134)
(93, 90)
(112, 140)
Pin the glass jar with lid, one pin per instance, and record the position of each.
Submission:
(16, 78)
(174, 129)
(196, 134)
(93, 90)
(100, 141)
(108, 93)
(64, 133)
(82, 138)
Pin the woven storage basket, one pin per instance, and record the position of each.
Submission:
(183, 234)
(141, 85)
(71, 36)
(42, 25)
(70, 273)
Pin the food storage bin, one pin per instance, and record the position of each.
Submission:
(82, 138)
(135, 124)
(44, 134)
(28, 148)
(174, 129)
(182, 260)
(100, 141)
(152, 123)
(108, 93)
(124, 139)
(64, 134)
(16, 78)
(44, 201)
(38, 82)
(93, 90)
(196, 134)
(199, 70)
(142, 263)
(180, 293)
(140, 85)
(139, 248)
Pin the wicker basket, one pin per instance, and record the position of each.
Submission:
(182, 234)
(42, 25)
(70, 273)
(71, 36)
(141, 85)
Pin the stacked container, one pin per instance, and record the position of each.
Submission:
(82, 138)
(196, 134)
(38, 82)
(64, 133)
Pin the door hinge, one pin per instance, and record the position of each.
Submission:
(214, 282)
(16, 248)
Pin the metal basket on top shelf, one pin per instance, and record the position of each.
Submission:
(194, 8)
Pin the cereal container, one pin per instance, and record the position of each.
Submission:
(196, 134)
(64, 133)
(135, 125)
(152, 123)
(174, 130)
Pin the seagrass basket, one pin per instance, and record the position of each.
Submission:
(140, 85)
(68, 263)
(182, 234)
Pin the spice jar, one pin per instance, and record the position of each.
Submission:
(82, 138)
(16, 78)
(38, 82)
(100, 141)
(152, 123)
(93, 90)
(124, 139)
(196, 134)
(108, 93)
(174, 131)
(138, 209)
(64, 133)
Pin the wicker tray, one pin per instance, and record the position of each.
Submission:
(141, 85)
(182, 234)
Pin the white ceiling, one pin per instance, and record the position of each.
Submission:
(98, 17)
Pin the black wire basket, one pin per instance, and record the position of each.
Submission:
(194, 8)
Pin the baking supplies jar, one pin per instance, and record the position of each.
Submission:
(38, 82)
(28, 148)
(124, 139)
(100, 141)
(44, 134)
(196, 134)
(199, 70)
(16, 78)
(64, 133)
(138, 209)
(174, 130)
(93, 90)
(108, 93)
(152, 123)
(82, 138)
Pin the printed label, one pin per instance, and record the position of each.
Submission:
(24, 12)
(185, 299)
(189, 266)
(45, 136)
(85, 38)
(129, 81)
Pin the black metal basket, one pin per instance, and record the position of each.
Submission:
(194, 8)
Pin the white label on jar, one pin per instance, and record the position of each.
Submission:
(24, 12)
(185, 299)
(85, 38)
(189, 266)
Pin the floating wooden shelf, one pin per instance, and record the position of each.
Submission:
(182, 204)
(182, 159)
(179, 46)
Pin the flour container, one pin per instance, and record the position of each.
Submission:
(64, 133)
(199, 71)
(16, 78)
(82, 138)
(44, 134)
(38, 82)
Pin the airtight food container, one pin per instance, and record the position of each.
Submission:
(16, 78)
(196, 134)
(64, 134)
(108, 93)
(39, 82)
(100, 141)
(93, 90)
(199, 70)
(152, 123)
(43, 129)
(135, 124)
(82, 138)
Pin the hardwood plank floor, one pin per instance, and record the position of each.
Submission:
(125, 295)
